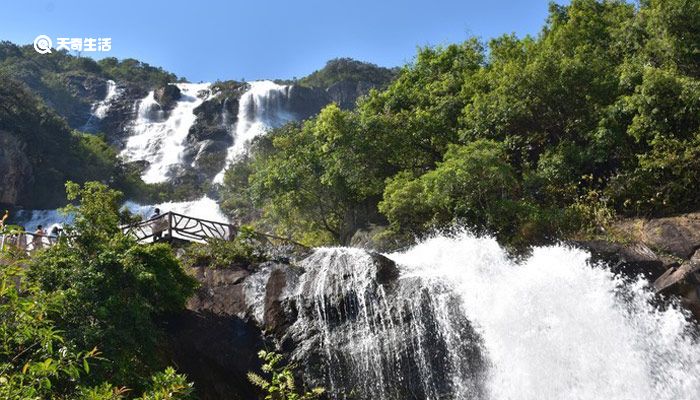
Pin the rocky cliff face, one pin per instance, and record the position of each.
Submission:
(338, 313)
(16, 169)
(320, 303)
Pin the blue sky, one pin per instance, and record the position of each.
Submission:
(257, 39)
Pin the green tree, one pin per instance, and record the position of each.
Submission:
(474, 185)
(114, 289)
(35, 359)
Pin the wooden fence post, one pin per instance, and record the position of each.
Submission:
(170, 226)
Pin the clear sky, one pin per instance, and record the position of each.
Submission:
(206, 40)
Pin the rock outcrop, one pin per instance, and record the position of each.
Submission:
(17, 170)
(167, 96)
(630, 259)
(666, 251)
(238, 311)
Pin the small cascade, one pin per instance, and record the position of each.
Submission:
(100, 109)
(407, 339)
(224, 114)
(203, 208)
(160, 139)
(262, 107)
(457, 318)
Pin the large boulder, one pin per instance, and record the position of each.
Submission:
(167, 96)
(683, 281)
(679, 236)
(630, 259)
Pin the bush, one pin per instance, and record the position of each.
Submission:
(244, 250)
(35, 359)
(280, 385)
(114, 289)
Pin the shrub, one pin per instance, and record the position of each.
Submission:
(280, 385)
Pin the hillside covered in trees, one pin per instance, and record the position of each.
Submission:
(529, 138)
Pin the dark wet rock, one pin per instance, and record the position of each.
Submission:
(222, 291)
(216, 352)
(676, 279)
(209, 157)
(306, 102)
(631, 259)
(167, 96)
(278, 316)
(387, 271)
(683, 281)
(122, 112)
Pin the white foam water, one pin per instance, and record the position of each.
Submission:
(48, 219)
(203, 208)
(100, 109)
(262, 107)
(162, 141)
(556, 327)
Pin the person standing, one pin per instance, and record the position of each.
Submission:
(157, 225)
(37, 240)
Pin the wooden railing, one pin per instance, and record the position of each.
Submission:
(167, 226)
(172, 225)
(25, 241)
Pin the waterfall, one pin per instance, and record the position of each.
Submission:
(99, 110)
(466, 321)
(159, 140)
(410, 340)
(262, 107)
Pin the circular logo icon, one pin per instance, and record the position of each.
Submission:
(43, 44)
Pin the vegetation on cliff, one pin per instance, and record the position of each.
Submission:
(530, 138)
(82, 316)
(52, 153)
(347, 69)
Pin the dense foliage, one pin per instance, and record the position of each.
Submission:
(347, 69)
(38, 362)
(83, 315)
(243, 251)
(46, 152)
(60, 78)
(526, 137)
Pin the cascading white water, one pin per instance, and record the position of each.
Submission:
(99, 110)
(203, 208)
(262, 107)
(551, 326)
(403, 341)
(159, 141)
